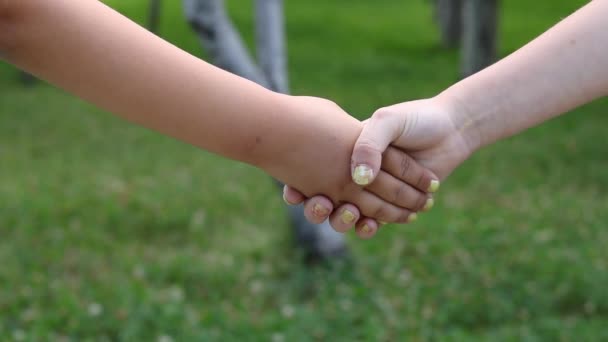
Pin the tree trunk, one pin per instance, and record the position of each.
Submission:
(448, 14)
(154, 15)
(221, 39)
(479, 35)
(227, 50)
(270, 43)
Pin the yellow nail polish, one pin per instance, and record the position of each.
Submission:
(363, 175)
(429, 204)
(413, 217)
(366, 229)
(434, 186)
(319, 210)
(347, 217)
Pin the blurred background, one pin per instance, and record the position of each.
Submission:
(112, 232)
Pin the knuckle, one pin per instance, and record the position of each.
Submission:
(383, 113)
(367, 145)
(323, 102)
(330, 103)
(423, 181)
(406, 165)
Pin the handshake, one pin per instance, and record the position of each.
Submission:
(365, 174)
(360, 174)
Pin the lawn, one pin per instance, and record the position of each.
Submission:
(112, 232)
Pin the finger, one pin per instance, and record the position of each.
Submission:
(378, 132)
(366, 228)
(292, 196)
(317, 209)
(399, 193)
(344, 218)
(372, 206)
(402, 166)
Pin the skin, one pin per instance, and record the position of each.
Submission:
(99, 55)
(562, 69)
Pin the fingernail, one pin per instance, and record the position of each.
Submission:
(413, 217)
(363, 174)
(285, 198)
(347, 217)
(382, 222)
(434, 186)
(366, 229)
(429, 204)
(319, 210)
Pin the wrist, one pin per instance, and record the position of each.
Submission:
(466, 122)
(293, 124)
(269, 137)
(307, 129)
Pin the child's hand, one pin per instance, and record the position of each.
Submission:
(432, 131)
(315, 159)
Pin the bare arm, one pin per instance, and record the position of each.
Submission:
(97, 54)
(564, 68)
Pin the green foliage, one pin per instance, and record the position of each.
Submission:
(111, 232)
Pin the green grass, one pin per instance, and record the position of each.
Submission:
(112, 232)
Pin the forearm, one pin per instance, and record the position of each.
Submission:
(562, 69)
(95, 53)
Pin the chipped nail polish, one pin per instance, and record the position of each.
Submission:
(347, 217)
(413, 217)
(366, 229)
(363, 175)
(319, 210)
(429, 204)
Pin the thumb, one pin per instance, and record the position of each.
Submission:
(379, 131)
